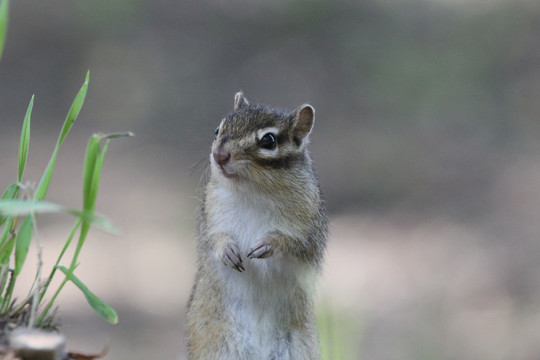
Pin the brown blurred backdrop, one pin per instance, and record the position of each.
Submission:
(426, 144)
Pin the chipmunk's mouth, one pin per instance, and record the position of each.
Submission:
(226, 171)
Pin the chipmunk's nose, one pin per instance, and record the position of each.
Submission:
(221, 156)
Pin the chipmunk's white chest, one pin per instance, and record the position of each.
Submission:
(247, 218)
(259, 299)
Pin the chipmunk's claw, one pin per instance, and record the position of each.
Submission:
(262, 251)
(231, 257)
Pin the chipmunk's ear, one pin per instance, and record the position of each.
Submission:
(303, 123)
(240, 101)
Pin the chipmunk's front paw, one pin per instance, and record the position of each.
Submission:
(261, 251)
(231, 257)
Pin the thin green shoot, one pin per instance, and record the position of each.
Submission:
(74, 110)
(4, 11)
(25, 141)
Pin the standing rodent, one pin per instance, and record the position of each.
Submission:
(261, 239)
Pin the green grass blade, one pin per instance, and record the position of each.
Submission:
(95, 155)
(6, 251)
(24, 207)
(117, 135)
(106, 312)
(101, 222)
(4, 12)
(25, 140)
(22, 244)
(91, 178)
(96, 175)
(92, 154)
(12, 191)
(5, 246)
(74, 109)
(43, 185)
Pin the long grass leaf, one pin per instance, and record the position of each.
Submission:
(95, 156)
(22, 244)
(106, 312)
(92, 154)
(96, 175)
(91, 171)
(4, 15)
(12, 191)
(6, 250)
(118, 135)
(25, 140)
(74, 110)
(99, 221)
(43, 185)
(6, 243)
(24, 207)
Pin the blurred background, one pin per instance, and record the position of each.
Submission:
(426, 144)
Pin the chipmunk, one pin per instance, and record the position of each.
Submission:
(261, 239)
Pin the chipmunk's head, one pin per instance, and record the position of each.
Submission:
(259, 144)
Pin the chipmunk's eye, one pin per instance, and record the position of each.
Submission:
(217, 130)
(268, 141)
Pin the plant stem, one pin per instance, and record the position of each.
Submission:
(53, 271)
(55, 267)
(11, 285)
(9, 293)
(10, 238)
(82, 237)
(51, 302)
